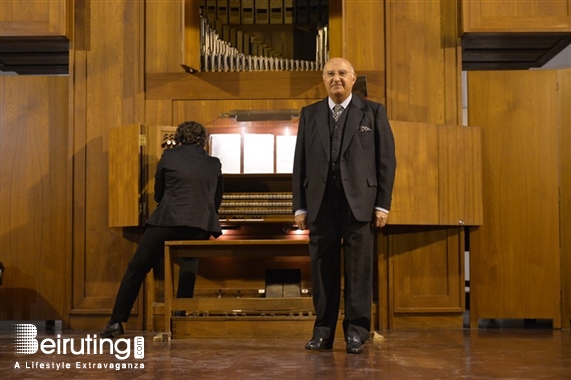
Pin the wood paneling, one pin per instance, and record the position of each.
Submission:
(107, 92)
(35, 18)
(564, 89)
(515, 255)
(159, 112)
(191, 34)
(427, 275)
(35, 218)
(415, 194)
(134, 153)
(423, 62)
(236, 85)
(460, 179)
(336, 34)
(362, 22)
(516, 16)
(125, 149)
(273, 328)
(164, 37)
(438, 178)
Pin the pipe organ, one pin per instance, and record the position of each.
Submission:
(263, 35)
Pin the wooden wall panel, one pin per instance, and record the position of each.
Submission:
(365, 19)
(236, 85)
(516, 16)
(423, 65)
(415, 194)
(336, 33)
(159, 112)
(515, 255)
(125, 175)
(206, 111)
(438, 178)
(191, 34)
(35, 190)
(163, 38)
(564, 81)
(108, 92)
(35, 18)
(460, 179)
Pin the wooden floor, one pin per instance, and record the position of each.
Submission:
(492, 351)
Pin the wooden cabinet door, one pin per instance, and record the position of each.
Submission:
(439, 175)
(515, 265)
(34, 18)
(425, 277)
(125, 170)
(516, 16)
(134, 152)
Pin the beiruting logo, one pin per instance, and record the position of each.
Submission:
(26, 343)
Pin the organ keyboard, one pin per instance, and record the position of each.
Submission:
(255, 206)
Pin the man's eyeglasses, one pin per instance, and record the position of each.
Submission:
(340, 73)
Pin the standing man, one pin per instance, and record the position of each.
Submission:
(343, 175)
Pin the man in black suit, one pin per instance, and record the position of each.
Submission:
(188, 190)
(343, 177)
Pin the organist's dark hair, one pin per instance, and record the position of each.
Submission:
(190, 133)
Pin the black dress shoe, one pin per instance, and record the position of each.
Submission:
(354, 345)
(112, 330)
(318, 344)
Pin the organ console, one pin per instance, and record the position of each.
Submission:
(243, 275)
(255, 207)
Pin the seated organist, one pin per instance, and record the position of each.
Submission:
(188, 190)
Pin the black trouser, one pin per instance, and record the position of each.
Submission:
(334, 226)
(151, 249)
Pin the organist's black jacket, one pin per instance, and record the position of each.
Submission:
(188, 189)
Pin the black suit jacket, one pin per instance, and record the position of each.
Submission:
(367, 158)
(188, 189)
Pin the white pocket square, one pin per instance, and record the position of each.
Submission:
(364, 128)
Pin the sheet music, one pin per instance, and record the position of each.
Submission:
(258, 153)
(285, 149)
(227, 148)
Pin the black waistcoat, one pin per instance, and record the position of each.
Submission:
(336, 134)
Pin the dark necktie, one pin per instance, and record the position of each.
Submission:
(337, 111)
